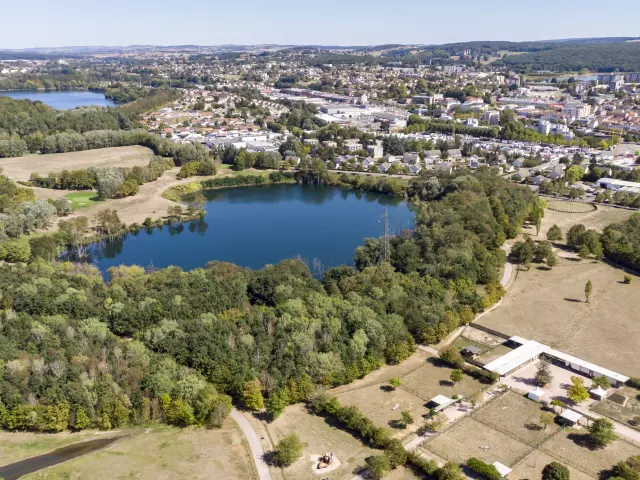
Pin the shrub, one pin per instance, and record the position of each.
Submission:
(288, 450)
(481, 468)
(555, 471)
(627, 279)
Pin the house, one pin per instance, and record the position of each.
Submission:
(383, 167)
(391, 159)
(557, 171)
(329, 144)
(411, 158)
(598, 393)
(538, 180)
(445, 167)
(376, 151)
(414, 169)
(368, 162)
(474, 163)
(310, 141)
(519, 162)
(353, 145)
(471, 122)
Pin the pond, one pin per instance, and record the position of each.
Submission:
(255, 226)
(63, 100)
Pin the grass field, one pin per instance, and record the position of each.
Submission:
(433, 379)
(163, 453)
(597, 219)
(319, 438)
(470, 438)
(21, 168)
(566, 447)
(15, 446)
(573, 207)
(516, 416)
(549, 306)
(80, 200)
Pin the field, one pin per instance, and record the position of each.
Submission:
(15, 446)
(319, 438)
(21, 168)
(531, 467)
(549, 306)
(572, 207)
(163, 453)
(80, 200)
(566, 448)
(617, 412)
(597, 219)
(470, 438)
(433, 379)
(516, 416)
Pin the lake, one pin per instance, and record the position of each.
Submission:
(255, 226)
(63, 100)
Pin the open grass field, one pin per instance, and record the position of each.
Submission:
(617, 412)
(531, 467)
(572, 207)
(470, 438)
(80, 200)
(516, 416)
(15, 446)
(548, 306)
(597, 219)
(567, 448)
(163, 453)
(319, 438)
(21, 168)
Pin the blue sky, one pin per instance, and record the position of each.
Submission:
(45, 23)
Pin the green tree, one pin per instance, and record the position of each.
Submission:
(452, 356)
(180, 413)
(288, 450)
(395, 382)
(577, 391)
(405, 417)
(252, 396)
(547, 418)
(588, 289)
(574, 174)
(543, 375)
(602, 432)
(602, 382)
(456, 375)
(554, 234)
(450, 471)
(82, 420)
(555, 471)
(276, 403)
(628, 469)
(378, 466)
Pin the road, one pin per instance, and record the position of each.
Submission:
(254, 443)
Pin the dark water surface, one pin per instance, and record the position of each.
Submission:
(63, 100)
(255, 226)
(18, 469)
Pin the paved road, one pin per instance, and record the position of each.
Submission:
(254, 443)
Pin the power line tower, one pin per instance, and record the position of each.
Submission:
(386, 251)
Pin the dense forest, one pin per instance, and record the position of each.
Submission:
(600, 57)
(120, 352)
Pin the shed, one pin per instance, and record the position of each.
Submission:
(598, 393)
(440, 402)
(502, 469)
(471, 351)
(569, 418)
(536, 394)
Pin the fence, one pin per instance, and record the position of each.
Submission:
(490, 330)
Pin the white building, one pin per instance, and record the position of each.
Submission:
(376, 151)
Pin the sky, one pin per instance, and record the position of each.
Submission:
(48, 23)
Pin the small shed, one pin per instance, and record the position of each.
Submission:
(502, 469)
(569, 418)
(440, 402)
(599, 393)
(536, 394)
(471, 351)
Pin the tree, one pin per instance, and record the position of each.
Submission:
(288, 450)
(554, 234)
(628, 469)
(82, 420)
(452, 356)
(602, 382)
(378, 466)
(456, 375)
(573, 174)
(575, 234)
(602, 432)
(450, 471)
(547, 418)
(555, 471)
(276, 403)
(108, 222)
(577, 391)
(588, 289)
(543, 374)
(405, 417)
(252, 396)
(395, 382)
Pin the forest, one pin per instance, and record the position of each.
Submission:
(168, 345)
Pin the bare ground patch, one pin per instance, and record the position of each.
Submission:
(434, 379)
(532, 465)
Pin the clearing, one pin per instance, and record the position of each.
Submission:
(21, 168)
(548, 306)
(590, 218)
(80, 200)
(164, 453)
(319, 437)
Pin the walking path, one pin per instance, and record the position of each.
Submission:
(254, 443)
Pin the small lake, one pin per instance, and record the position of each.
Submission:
(255, 226)
(63, 100)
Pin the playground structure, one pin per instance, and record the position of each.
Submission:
(325, 461)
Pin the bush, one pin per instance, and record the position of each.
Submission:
(627, 279)
(481, 468)
(288, 450)
(555, 471)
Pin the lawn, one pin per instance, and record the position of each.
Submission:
(15, 446)
(548, 306)
(470, 438)
(21, 168)
(319, 437)
(81, 200)
(163, 453)
(617, 412)
(516, 416)
(567, 447)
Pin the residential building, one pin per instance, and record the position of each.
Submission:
(376, 151)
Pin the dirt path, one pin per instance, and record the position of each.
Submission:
(254, 443)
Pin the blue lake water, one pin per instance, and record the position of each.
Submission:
(255, 226)
(63, 100)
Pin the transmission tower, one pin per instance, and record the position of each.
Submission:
(386, 252)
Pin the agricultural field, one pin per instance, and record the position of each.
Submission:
(319, 437)
(21, 168)
(568, 448)
(163, 453)
(470, 438)
(548, 306)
